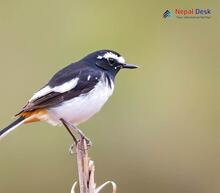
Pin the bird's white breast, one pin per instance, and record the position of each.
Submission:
(81, 108)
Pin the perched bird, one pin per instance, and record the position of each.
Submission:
(75, 93)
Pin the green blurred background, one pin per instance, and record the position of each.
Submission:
(159, 133)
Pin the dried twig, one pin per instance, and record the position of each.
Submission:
(86, 167)
(86, 171)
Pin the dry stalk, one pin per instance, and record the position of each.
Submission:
(86, 171)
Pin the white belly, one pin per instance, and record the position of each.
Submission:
(81, 108)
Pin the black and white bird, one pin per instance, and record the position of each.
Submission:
(75, 93)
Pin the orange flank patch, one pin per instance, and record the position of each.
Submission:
(34, 116)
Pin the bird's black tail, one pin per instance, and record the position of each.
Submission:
(12, 126)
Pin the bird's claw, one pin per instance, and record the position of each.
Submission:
(72, 149)
(88, 141)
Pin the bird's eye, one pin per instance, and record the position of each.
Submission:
(111, 61)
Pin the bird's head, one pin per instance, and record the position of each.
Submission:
(108, 60)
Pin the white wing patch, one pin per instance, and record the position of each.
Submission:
(108, 55)
(41, 93)
(61, 89)
(66, 86)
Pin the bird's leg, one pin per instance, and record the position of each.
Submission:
(73, 129)
(71, 132)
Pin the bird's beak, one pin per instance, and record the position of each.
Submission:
(130, 66)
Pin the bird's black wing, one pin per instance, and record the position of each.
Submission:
(87, 79)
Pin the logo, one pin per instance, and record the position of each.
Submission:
(167, 13)
(191, 13)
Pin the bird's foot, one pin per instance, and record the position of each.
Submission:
(72, 148)
(77, 142)
(88, 141)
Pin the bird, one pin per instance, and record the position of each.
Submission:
(75, 93)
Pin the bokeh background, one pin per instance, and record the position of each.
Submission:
(159, 133)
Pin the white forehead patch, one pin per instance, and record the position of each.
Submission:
(108, 55)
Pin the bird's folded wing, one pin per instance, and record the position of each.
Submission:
(49, 96)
